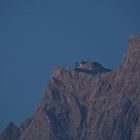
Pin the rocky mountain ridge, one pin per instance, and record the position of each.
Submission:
(88, 102)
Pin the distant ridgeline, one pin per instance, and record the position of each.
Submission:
(90, 67)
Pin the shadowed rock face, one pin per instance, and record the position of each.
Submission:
(90, 67)
(10, 133)
(79, 105)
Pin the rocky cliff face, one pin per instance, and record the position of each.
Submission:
(88, 103)
(10, 133)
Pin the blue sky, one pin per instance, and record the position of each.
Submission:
(35, 35)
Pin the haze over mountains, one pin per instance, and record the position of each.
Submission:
(89, 102)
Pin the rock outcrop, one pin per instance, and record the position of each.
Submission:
(88, 102)
(10, 133)
(90, 67)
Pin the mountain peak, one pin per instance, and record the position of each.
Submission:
(132, 56)
(10, 133)
(79, 106)
(133, 38)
